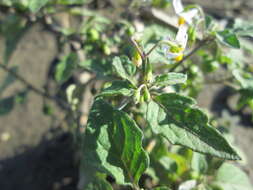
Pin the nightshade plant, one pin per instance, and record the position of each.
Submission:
(146, 107)
(113, 141)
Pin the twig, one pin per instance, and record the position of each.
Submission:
(30, 86)
(152, 49)
(143, 56)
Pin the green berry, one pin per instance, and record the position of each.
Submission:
(146, 94)
(93, 34)
(210, 66)
(106, 49)
(130, 30)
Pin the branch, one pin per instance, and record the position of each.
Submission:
(143, 56)
(152, 49)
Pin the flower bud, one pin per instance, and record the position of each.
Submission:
(142, 99)
(148, 72)
(137, 59)
(146, 94)
(137, 96)
(210, 66)
(93, 34)
(130, 30)
(106, 49)
(192, 34)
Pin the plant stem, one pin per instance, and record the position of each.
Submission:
(152, 49)
(138, 48)
(30, 86)
(157, 44)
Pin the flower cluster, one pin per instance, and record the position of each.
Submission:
(187, 17)
(174, 48)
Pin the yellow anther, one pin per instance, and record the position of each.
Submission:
(179, 57)
(181, 21)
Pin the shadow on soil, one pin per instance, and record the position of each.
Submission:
(220, 102)
(49, 166)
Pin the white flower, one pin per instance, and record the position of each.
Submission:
(188, 185)
(185, 16)
(174, 49)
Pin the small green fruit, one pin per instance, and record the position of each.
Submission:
(194, 71)
(93, 34)
(146, 94)
(210, 66)
(106, 49)
(148, 72)
(130, 30)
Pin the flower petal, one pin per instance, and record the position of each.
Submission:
(170, 55)
(182, 36)
(190, 15)
(178, 6)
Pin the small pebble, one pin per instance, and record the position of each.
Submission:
(5, 137)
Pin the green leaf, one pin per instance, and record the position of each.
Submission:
(176, 118)
(170, 79)
(123, 88)
(128, 65)
(98, 183)
(113, 144)
(6, 105)
(70, 2)
(228, 38)
(12, 29)
(229, 177)
(21, 97)
(246, 97)
(162, 188)
(36, 5)
(65, 67)
(244, 78)
(209, 22)
(243, 28)
(157, 56)
(101, 66)
(199, 163)
(156, 32)
(121, 70)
